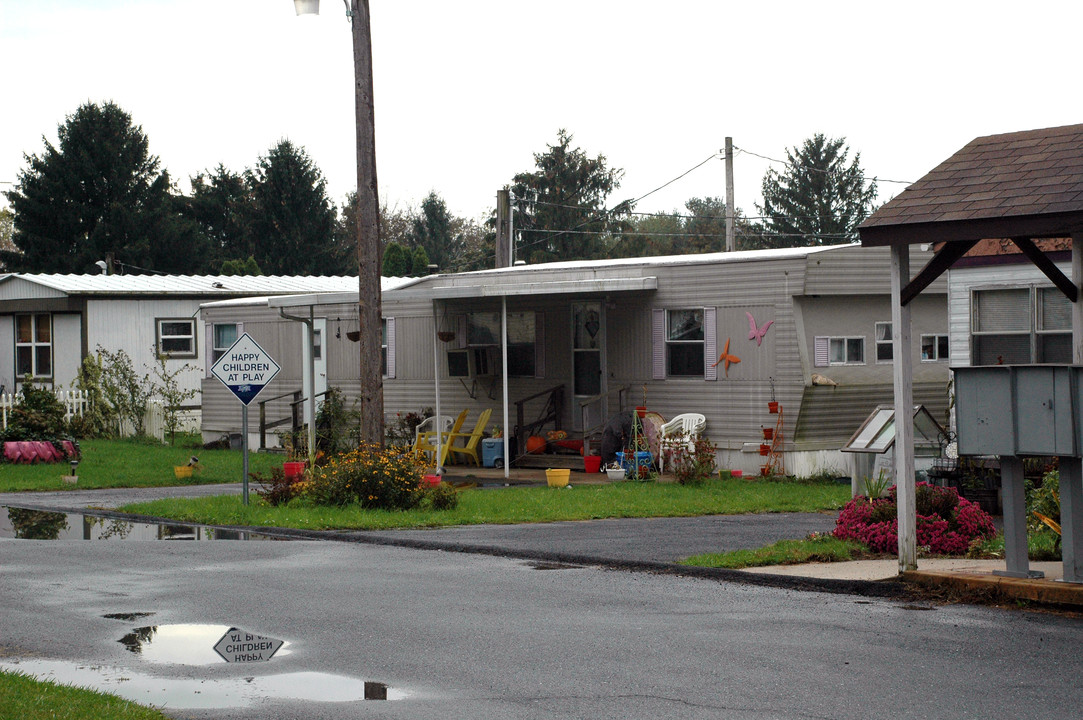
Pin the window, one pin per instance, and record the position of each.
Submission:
(839, 351)
(884, 347)
(224, 336)
(934, 347)
(684, 342)
(176, 338)
(1019, 326)
(34, 345)
(483, 330)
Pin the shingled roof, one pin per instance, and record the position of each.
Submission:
(1024, 184)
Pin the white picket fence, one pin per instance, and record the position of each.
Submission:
(75, 403)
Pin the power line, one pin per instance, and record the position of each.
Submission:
(815, 169)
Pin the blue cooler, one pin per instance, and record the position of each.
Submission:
(492, 452)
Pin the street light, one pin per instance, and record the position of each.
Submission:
(368, 221)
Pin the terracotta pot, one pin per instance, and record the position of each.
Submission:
(772, 407)
(765, 449)
(768, 433)
(641, 411)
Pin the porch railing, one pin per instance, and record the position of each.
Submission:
(294, 417)
(592, 417)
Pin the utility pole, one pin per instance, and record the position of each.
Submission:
(731, 240)
(368, 231)
(503, 215)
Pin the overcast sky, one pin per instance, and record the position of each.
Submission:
(466, 91)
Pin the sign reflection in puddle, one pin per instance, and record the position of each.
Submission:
(192, 693)
(22, 523)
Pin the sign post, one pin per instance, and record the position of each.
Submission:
(245, 369)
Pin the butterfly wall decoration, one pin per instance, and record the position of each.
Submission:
(757, 333)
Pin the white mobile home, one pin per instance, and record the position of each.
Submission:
(722, 334)
(50, 323)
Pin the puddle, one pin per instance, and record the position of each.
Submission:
(182, 643)
(26, 524)
(544, 565)
(194, 693)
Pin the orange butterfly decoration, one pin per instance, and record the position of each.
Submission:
(726, 358)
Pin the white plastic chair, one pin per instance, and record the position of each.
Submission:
(681, 430)
(427, 427)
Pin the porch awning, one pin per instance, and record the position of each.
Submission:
(599, 286)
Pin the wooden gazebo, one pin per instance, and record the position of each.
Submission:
(1022, 186)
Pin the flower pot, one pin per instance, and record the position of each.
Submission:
(641, 411)
(615, 475)
(182, 471)
(737, 473)
(430, 480)
(293, 469)
(592, 463)
(768, 433)
(765, 449)
(772, 407)
(557, 477)
(445, 335)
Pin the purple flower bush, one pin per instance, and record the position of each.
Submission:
(946, 523)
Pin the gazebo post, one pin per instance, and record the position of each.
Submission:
(904, 408)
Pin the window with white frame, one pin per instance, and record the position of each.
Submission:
(934, 348)
(884, 348)
(223, 337)
(176, 337)
(1019, 326)
(34, 345)
(839, 351)
(684, 342)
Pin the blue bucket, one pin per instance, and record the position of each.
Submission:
(642, 459)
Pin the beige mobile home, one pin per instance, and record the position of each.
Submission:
(721, 334)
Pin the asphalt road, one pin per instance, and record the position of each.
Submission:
(469, 635)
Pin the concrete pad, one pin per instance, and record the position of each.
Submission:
(889, 568)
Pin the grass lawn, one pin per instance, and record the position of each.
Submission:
(822, 548)
(521, 505)
(134, 463)
(27, 699)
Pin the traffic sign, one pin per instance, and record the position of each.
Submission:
(238, 646)
(245, 368)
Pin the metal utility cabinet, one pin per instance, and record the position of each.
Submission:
(1016, 411)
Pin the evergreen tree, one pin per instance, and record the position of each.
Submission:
(294, 219)
(818, 199)
(222, 206)
(561, 206)
(432, 230)
(98, 191)
(420, 262)
(395, 261)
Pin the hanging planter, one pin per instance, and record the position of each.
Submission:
(445, 331)
(765, 449)
(768, 433)
(772, 407)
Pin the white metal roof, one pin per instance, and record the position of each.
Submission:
(199, 285)
(323, 297)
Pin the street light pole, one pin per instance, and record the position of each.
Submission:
(368, 222)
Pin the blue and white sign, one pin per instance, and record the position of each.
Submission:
(245, 369)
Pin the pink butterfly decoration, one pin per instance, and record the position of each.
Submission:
(755, 333)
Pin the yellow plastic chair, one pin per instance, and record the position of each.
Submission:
(473, 439)
(425, 440)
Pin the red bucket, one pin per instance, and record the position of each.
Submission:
(293, 469)
(430, 480)
(592, 463)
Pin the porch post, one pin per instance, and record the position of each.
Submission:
(436, 383)
(904, 409)
(1071, 469)
(504, 375)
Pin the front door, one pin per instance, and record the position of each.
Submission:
(319, 326)
(588, 380)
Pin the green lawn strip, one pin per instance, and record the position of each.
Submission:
(822, 548)
(25, 698)
(133, 463)
(518, 505)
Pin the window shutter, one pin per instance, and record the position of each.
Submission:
(539, 344)
(390, 346)
(821, 346)
(710, 343)
(208, 348)
(658, 344)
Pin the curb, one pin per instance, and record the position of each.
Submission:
(1036, 590)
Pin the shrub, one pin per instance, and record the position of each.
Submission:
(38, 416)
(946, 523)
(278, 489)
(370, 476)
(693, 465)
(441, 496)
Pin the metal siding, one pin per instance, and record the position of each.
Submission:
(17, 288)
(862, 270)
(829, 416)
(963, 281)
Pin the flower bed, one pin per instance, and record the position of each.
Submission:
(946, 523)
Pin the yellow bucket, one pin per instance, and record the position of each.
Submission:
(182, 471)
(558, 477)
